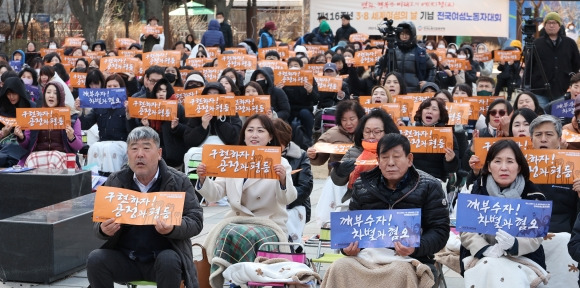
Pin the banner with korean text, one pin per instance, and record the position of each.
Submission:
(216, 105)
(482, 144)
(332, 148)
(428, 139)
(103, 97)
(241, 161)
(152, 109)
(376, 228)
(136, 208)
(43, 118)
(250, 105)
(448, 18)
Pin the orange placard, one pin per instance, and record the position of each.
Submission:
(568, 135)
(162, 58)
(364, 99)
(181, 93)
(358, 37)
(44, 51)
(43, 118)
(216, 105)
(119, 64)
(378, 43)
(274, 64)
(92, 55)
(428, 139)
(482, 57)
(212, 52)
(237, 50)
(408, 103)
(124, 43)
(393, 109)
(77, 79)
(136, 208)
(197, 62)
(316, 49)
(328, 83)
(478, 104)
(506, 56)
(70, 60)
(152, 109)
(332, 148)
(211, 74)
(317, 69)
(8, 121)
(73, 41)
(241, 161)
(367, 57)
(250, 105)
(238, 62)
(457, 64)
(482, 144)
(147, 29)
(440, 52)
(283, 51)
(129, 53)
(183, 77)
(553, 166)
(458, 113)
(293, 77)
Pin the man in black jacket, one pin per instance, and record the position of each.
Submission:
(225, 28)
(160, 252)
(559, 58)
(343, 33)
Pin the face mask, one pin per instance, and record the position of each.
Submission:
(263, 84)
(429, 47)
(221, 20)
(483, 93)
(52, 46)
(571, 27)
(452, 51)
(170, 77)
(461, 57)
(85, 47)
(440, 46)
(27, 81)
(294, 68)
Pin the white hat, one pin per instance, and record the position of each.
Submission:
(300, 49)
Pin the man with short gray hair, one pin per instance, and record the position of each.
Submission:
(546, 132)
(160, 253)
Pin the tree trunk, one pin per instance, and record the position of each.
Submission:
(167, 28)
(189, 28)
(520, 4)
(89, 14)
(251, 20)
(153, 8)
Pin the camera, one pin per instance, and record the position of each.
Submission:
(529, 23)
(388, 30)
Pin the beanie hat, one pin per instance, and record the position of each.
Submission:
(516, 43)
(324, 27)
(553, 16)
(577, 106)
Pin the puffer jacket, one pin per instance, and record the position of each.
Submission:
(303, 180)
(23, 59)
(300, 99)
(475, 243)
(565, 206)
(278, 98)
(417, 189)
(192, 217)
(213, 36)
(112, 123)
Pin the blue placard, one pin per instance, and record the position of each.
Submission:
(518, 217)
(16, 65)
(563, 109)
(103, 98)
(34, 93)
(375, 228)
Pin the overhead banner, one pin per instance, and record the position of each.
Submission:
(449, 17)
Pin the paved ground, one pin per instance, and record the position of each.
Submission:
(212, 215)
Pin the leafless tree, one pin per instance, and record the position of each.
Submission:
(89, 14)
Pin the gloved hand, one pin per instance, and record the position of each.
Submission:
(504, 240)
(493, 251)
(344, 169)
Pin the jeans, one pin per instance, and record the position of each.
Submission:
(107, 266)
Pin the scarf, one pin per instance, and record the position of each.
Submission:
(513, 191)
(369, 153)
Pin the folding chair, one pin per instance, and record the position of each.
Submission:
(292, 256)
(328, 119)
(324, 241)
(440, 279)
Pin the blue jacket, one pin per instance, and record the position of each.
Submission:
(213, 35)
(23, 59)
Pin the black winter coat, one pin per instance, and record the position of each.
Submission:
(435, 164)
(112, 123)
(417, 190)
(329, 99)
(299, 98)
(303, 180)
(343, 33)
(227, 130)
(278, 98)
(565, 206)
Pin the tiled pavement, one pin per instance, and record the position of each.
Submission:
(212, 215)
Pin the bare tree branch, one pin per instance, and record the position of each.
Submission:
(89, 14)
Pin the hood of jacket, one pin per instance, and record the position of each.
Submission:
(23, 59)
(214, 85)
(412, 42)
(61, 94)
(195, 49)
(293, 151)
(469, 51)
(169, 88)
(213, 25)
(268, 73)
(99, 42)
(16, 85)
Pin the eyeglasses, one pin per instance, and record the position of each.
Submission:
(153, 81)
(494, 112)
(374, 132)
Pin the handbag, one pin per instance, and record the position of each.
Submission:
(203, 268)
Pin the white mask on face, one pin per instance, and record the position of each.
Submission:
(220, 20)
(440, 46)
(27, 81)
(429, 47)
(451, 50)
(52, 46)
(461, 57)
(84, 47)
(294, 68)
